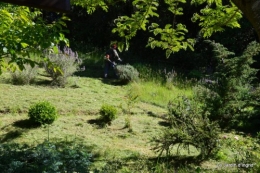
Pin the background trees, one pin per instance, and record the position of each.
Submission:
(169, 25)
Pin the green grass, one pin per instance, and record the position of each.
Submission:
(159, 95)
(78, 109)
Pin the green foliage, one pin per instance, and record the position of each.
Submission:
(132, 96)
(24, 32)
(91, 5)
(170, 79)
(108, 113)
(45, 157)
(243, 151)
(216, 19)
(172, 39)
(128, 26)
(66, 62)
(128, 123)
(149, 73)
(127, 73)
(42, 113)
(221, 156)
(25, 76)
(189, 126)
(213, 17)
(229, 99)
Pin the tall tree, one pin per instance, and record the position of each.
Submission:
(212, 16)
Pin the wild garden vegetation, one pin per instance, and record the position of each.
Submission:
(197, 111)
(153, 124)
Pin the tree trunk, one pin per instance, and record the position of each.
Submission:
(251, 9)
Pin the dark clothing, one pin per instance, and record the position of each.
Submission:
(112, 55)
(109, 65)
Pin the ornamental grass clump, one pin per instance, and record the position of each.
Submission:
(127, 73)
(25, 76)
(42, 113)
(108, 113)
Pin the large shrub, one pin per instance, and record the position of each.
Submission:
(67, 63)
(230, 98)
(188, 127)
(127, 73)
(108, 113)
(45, 157)
(42, 113)
(25, 76)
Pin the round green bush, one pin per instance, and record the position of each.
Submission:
(108, 113)
(42, 113)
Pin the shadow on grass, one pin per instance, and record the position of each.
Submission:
(112, 81)
(98, 122)
(164, 123)
(43, 82)
(163, 164)
(95, 71)
(177, 161)
(26, 124)
(11, 135)
(155, 115)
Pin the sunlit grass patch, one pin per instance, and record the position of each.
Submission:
(158, 94)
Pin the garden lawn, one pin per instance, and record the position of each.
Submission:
(78, 109)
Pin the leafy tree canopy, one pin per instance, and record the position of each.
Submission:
(212, 16)
(24, 32)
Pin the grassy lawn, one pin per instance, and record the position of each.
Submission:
(78, 109)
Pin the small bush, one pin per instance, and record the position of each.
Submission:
(189, 126)
(42, 113)
(24, 77)
(68, 63)
(108, 113)
(127, 73)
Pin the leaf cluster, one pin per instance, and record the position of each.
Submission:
(24, 32)
(92, 5)
(213, 17)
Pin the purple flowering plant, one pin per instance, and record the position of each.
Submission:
(62, 65)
